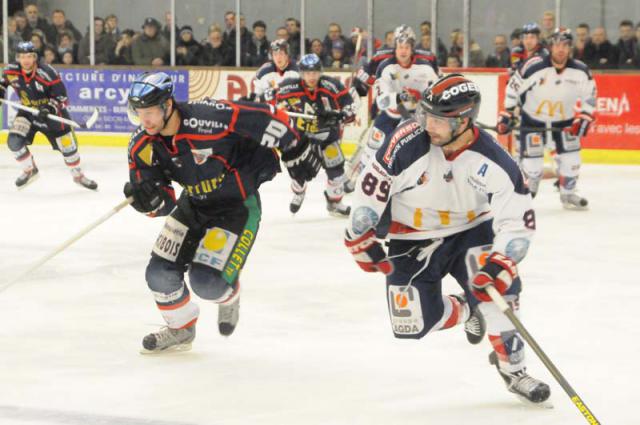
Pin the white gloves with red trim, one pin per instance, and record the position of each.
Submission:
(368, 253)
(580, 125)
(499, 271)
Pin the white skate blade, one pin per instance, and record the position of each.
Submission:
(173, 349)
(337, 214)
(571, 207)
(31, 180)
(547, 404)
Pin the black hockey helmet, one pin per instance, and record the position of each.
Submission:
(279, 44)
(26, 47)
(150, 89)
(310, 62)
(530, 28)
(560, 35)
(452, 96)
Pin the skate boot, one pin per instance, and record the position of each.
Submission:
(475, 327)
(27, 177)
(571, 201)
(349, 186)
(168, 339)
(296, 202)
(336, 208)
(82, 180)
(228, 315)
(521, 384)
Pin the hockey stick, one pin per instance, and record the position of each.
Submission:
(88, 124)
(301, 115)
(575, 398)
(522, 128)
(67, 243)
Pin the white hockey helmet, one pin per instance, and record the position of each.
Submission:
(404, 34)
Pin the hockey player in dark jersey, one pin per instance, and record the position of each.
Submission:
(459, 206)
(271, 74)
(39, 86)
(220, 153)
(531, 46)
(326, 97)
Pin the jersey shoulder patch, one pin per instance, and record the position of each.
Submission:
(403, 147)
(47, 72)
(533, 65)
(385, 64)
(290, 85)
(265, 69)
(579, 65)
(332, 84)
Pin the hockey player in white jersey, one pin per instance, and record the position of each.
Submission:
(459, 205)
(399, 82)
(548, 90)
(271, 74)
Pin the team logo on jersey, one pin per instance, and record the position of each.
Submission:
(424, 178)
(448, 176)
(551, 109)
(200, 156)
(399, 138)
(146, 155)
(215, 247)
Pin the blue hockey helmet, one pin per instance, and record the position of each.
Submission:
(310, 62)
(26, 47)
(530, 28)
(150, 89)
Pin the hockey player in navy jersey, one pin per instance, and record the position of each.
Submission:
(531, 46)
(39, 86)
(271, 74)
(220, 153)
(548, 89)
(398, 84)
(326, 97)
(459, 206)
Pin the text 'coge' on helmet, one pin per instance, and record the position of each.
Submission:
(310, 62)
(453, 96)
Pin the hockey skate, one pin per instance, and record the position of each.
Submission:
(475, 327)
(349, 186)
(337, 208)
(169, 340)
(85, 182)
(27, 177)
(296, 202)
(571, 201)
(228, 315)
(525, 387)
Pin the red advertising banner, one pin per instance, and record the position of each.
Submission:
(617, 123)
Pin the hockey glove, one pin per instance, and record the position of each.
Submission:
(251, 97)
(44, 111)
(3, 91)
(506, 122)
(361, 82)
(302, 161)
(368, 253)
(329, 119)
(580, 125)
(499, 271)
(147, 196)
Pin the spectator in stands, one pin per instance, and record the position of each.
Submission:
(35, 21)
(334, 34)
(14, 37)
(425, 27)
(229, 36)
(501, 57)
(59, 25)
(476, 57)
(282, 34)
(22, 26)
(215, 52)
(548, 26)
(66, 42)
(389, 39)
(122, 53)
(599, 53)
(626, 46)
(104, 45)
(49, 56)
(318, 48)
(453, 62)
(337, 58)
(516, 38)
(38, 40)
(166, 29)
(111, 26)
(188, 50)
(425, 41)
(293, 28)
(150, 48)
(67, 57)
(582, 37)
(258, 51)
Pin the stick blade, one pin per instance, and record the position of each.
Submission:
(92, 119)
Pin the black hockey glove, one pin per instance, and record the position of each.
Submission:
(3, 91)
(147, 196)
(251, 97)
(330, 118)
(302, 161)
(44, 111)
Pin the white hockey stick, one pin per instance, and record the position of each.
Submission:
(90, 122)
(301, 115)
(503, 306)
(67, 243)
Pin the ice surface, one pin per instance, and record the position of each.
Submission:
(314, 344)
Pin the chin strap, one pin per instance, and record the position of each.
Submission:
(165, 120)
(454, 138)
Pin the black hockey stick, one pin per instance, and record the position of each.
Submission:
(522, 128)
(575, 398)
(88, 124)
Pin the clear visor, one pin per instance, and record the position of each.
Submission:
(136, 116)
(422, 115)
